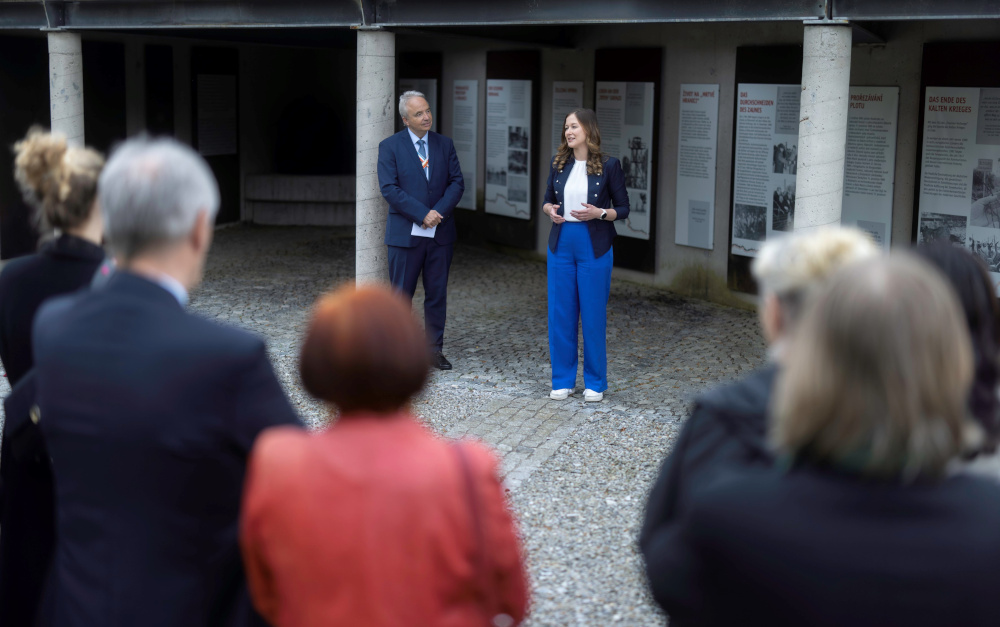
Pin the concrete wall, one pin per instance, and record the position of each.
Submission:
(464, 60)
(299, 200)
(899, 63)
(276, 85)
(706, 53)
(273, 77)
(694, 53)
(135, 87)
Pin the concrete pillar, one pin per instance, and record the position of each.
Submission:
(826, 79)
(376, 120)
(66, 85)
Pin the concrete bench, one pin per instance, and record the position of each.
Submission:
(280, 199)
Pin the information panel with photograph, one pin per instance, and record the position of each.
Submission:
(625, 115)
(960, 175)
(508, 143)
(766, 163)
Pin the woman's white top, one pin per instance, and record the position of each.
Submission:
(575, 191)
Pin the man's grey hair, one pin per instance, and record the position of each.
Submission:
(406, 97)
(151, 192)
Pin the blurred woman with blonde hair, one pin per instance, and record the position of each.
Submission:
(862, 522)
(728, 425)
(59, 182)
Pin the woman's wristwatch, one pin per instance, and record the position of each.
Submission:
(604, 214)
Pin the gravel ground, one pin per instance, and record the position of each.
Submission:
(580, 509)
(582, 470)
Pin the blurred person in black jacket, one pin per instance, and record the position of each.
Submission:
(60, 184)
(727, 426)
(149, 413)
(863, 523)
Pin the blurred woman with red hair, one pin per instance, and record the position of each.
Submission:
(376, 521)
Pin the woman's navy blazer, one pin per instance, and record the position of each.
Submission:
(606, 191)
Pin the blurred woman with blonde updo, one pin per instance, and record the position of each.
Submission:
(59, 182)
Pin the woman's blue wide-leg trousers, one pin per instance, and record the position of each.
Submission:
(579, 286)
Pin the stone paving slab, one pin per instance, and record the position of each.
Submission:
(524, 431)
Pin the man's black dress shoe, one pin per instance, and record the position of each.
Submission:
(440, 362)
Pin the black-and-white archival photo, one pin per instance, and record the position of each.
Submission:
(496, 176)
(985, 209)
(942, 226)
(517, 137)
(783, 206)
(517, 188)
(984, 182)
(988, 249)
(638, 201)
(750, 222)
(786, 158)
(517, 161)
(635, 163)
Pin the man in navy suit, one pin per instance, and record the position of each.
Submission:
(149, 414)
(420, 177)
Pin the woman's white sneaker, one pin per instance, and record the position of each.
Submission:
(560, 395)
(593, 397)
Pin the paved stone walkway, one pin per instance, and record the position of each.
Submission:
(578, 472)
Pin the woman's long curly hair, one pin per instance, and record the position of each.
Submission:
(595, 160)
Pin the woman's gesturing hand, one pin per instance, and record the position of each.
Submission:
(550, 210)
(589, 212)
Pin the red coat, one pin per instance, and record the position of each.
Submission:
(368, 523)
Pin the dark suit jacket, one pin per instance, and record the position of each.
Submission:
(727, 429)
(149, 414)
(825, 549)
(606, 191)
(27, 509)
(63, 265)
(411, 195)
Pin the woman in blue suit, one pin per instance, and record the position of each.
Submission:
(585, 194)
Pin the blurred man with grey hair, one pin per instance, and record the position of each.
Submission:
(149, 413)
(420, 177)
